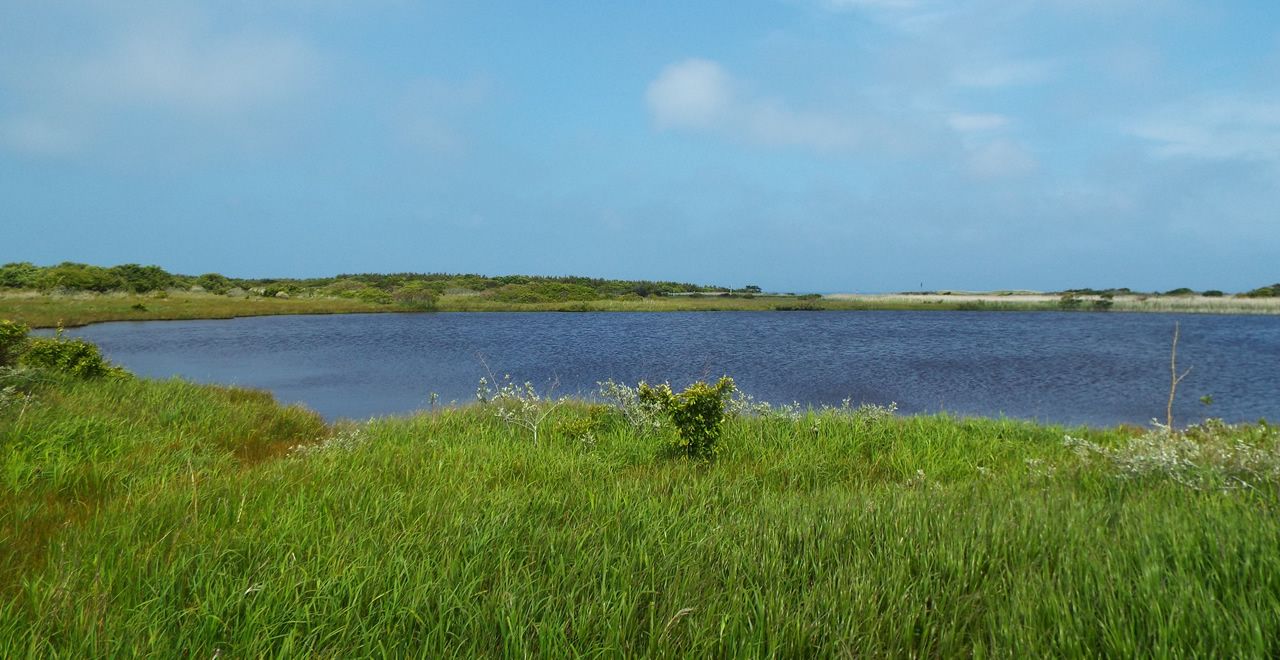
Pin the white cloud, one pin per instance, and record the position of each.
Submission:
(698, 94)
(690, 94)
(176, 68)
(1215, 128)
(977, 123)
(167, 66)
(1001, 159)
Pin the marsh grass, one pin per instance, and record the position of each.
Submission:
(71, 310)
(172, 521)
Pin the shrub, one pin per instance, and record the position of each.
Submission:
(697, 413)
(13, 338)
(76, 357)
(141, 279)
(640, 414)
(1102, 304)
(1070, 301)
(214, 283)
(1261, 292)
(416, 293)
(78, 277)
(372, 295)
(1213, 293)
(518, 405)
(19, 275)
(1209, 456)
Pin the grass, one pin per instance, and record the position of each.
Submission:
(163, 518)
(70, 310)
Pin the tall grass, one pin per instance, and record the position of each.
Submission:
(453, 535)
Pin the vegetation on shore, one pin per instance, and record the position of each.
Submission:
(71, 294)
(164, 518)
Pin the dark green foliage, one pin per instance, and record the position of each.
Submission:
(508, 288)
(536, 292)
(1102, 305)
(214, 283)
(1213, 293)
(371, 295)
(141, 279)
(417, 293)
(809, 302)
(1184, 291)
(13, 338)
(697, 413)
(1070, 301)
(19, 275)
(1263, 292)
(76, 357)
(78, 277)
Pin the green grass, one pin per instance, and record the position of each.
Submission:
(169, 522)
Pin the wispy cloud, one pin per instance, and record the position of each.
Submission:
(169, 65)
(697, 94)
(38, 136)
(1001, 159)
(966, 123)
(1217, 128)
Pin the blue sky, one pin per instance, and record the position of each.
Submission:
(799, 145)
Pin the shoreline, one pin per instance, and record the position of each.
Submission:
(76, 310)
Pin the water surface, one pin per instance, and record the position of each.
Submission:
(1099, 369)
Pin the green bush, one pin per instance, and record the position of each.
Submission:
(1070, 301)
(141, 279)
(19, 275)
(1262, 292)
(214, 283)
(13, 338)
(78, 277)
(372, 295)
(416, 293)
(697, 413)
(538, 292)
(76, 357)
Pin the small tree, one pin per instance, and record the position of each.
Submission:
(697, 413)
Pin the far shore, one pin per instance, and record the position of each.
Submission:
(42, 310)
(1193, 304)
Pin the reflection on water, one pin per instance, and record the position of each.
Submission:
(1099, 369)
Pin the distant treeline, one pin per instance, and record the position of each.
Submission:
(1260, 292)
(1272, 291)
(396, 287)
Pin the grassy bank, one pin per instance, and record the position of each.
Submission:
(167, 519)
(70, 310)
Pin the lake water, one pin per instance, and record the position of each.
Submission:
(1099, 369)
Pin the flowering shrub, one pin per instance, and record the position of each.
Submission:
(518, 405)
(1212, 455)
(640, 415)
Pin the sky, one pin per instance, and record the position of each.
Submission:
(796, 145)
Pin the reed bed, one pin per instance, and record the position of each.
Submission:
(167, 519)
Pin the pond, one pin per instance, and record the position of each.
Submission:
(1070, 368)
